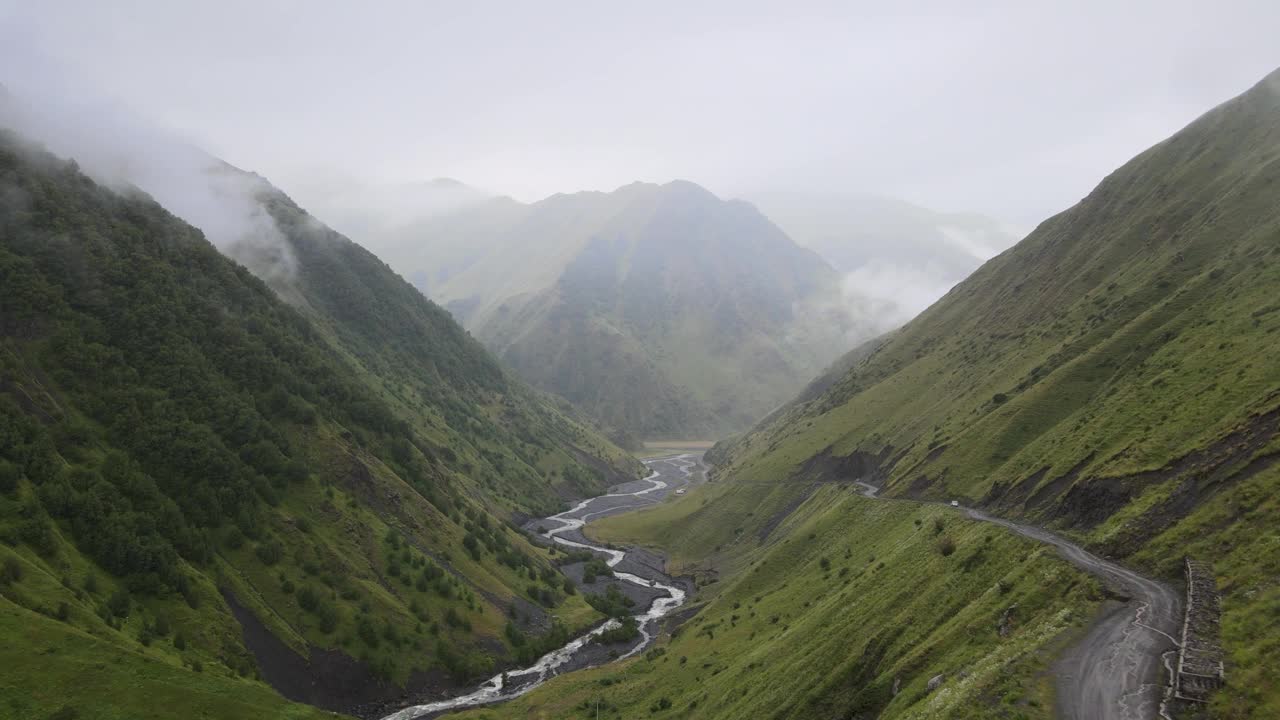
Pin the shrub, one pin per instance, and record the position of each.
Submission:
(9, 475)
(626, 632)
(307, 598)
(119, 603)
(946, 546)
(367, 634)
(11, 572)
(270, 553)
(328, 617)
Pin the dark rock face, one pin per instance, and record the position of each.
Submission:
(328, 679)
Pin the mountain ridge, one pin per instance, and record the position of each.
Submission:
(588, 295)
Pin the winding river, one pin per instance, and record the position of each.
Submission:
(667, 475)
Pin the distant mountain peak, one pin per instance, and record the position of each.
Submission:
(448, 183)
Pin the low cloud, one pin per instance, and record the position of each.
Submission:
(882, 296)
(120, 150)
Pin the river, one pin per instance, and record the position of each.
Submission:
(667, 475)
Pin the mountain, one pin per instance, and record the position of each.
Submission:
(1111, 377)
(1107, 376)
(659, 309)
(386, 217)
(898, 258)
(854, 230)
(215, 483)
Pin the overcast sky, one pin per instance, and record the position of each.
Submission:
(1015, 109)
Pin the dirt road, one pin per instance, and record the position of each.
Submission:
(1114, 673)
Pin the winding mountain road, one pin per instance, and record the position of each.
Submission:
(1114, 673)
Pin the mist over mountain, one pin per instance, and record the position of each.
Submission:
(897, 258)
(387, 217)
(367, 362)
(660, 309)
(1109, 376)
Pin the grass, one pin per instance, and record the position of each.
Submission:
(56, 670)
(333, 546)
(851, 598)
(1237, 530)
(1129, 332)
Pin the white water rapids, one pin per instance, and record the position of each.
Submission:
(514, 683)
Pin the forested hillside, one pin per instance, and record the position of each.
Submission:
(202, 488)
(518, 447)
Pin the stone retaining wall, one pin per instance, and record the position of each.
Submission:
(1200, 668)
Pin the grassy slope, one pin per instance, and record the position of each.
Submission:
(1065, 381)
(1068, 378)
(56, 667)
(787, 636)
(366, 459)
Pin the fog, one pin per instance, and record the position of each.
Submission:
(1009, 109)
(1012, 109)
(118, 148)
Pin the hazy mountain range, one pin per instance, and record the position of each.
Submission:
(1111, 378)
(896, 257)
(660, 309)
(666, 311)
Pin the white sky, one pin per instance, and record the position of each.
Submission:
(1015, 109)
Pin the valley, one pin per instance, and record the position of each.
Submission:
(657, 597)
(1113, 670)
(946, 387)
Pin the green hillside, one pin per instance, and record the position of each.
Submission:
(844, 608)
(1112, 376)
(661, 310)
(203, 488)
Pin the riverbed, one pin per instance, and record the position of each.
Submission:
(661, 595)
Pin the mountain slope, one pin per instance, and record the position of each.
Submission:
(661, 310)
(1108, 375)
(201, 486)
(1111, 376)
(527, 451)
